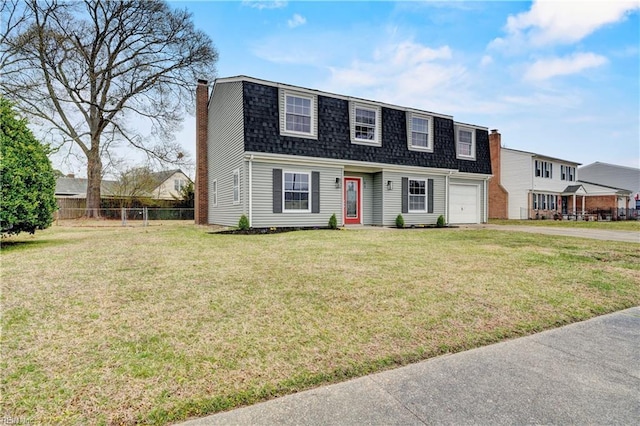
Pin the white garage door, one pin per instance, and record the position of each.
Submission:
(464, 204)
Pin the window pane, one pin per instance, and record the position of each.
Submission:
(420, 125)
(416, 202)
(365, 116)
(417, 187)
(464, 148)
(298, 114)
(419, 139)
(465, 136)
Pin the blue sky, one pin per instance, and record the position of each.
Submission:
(556, 78)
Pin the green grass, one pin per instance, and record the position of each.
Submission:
(154, 325)
(623, 225)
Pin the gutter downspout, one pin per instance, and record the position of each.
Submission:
(446, 197)
(486, 202)
(251, 191)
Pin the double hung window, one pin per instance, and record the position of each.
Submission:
(417, 195)
(298, 114)
(365, 124)
(296, 191)
(419, 132)
(465, 143)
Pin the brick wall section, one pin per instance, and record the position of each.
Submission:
(601, 202)
(262, 134)
(202, 181)
(498, 195)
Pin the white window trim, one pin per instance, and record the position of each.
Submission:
(236, 172)
(426, 195)
(313, 134)
(410, 146)
(214, 193)
(377, 137)
(284, 209)
(473, 142)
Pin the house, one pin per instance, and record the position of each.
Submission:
(291, 156)
(614, 176)
(527, 185)
(71, 192)
(163, 185)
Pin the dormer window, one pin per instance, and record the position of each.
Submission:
(365, 124)
(298, 114)
(465, 143)
(419, 132)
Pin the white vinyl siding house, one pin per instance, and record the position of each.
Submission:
(534, 182)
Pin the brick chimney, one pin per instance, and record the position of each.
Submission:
(202, 182)
(498, 196)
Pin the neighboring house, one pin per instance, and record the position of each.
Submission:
(291, 156)
(70, 187)
(167, 185)
(527, 185)
(614, 176)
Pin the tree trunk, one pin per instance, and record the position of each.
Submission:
(94, 177)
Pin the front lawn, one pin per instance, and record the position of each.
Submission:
(157, 324)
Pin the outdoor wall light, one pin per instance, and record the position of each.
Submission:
(337, 182)
(389, 185)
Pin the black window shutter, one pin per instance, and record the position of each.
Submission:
(429, 195)
(315, 192)
(405, 195)
(277, 190)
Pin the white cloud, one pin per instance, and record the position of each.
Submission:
(296, 20)
(264, 4)
(393, 63)
(563, 22)
(486, 60)
(407, 73)
(547, 68)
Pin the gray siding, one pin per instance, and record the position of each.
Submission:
(393, 199)
(330, 196)
(483, 196)
(379, 186)
(611, 175)
(225, 152)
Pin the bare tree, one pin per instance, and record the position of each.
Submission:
(134, 184)
(99, 74)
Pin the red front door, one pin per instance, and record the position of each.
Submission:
(352, 205)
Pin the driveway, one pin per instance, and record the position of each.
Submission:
(596, 234)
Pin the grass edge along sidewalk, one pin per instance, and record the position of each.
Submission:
(156, 325)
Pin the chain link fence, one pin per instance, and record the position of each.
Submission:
(130, 216)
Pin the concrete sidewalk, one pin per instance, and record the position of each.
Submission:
(596, 234)
(584, 373)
